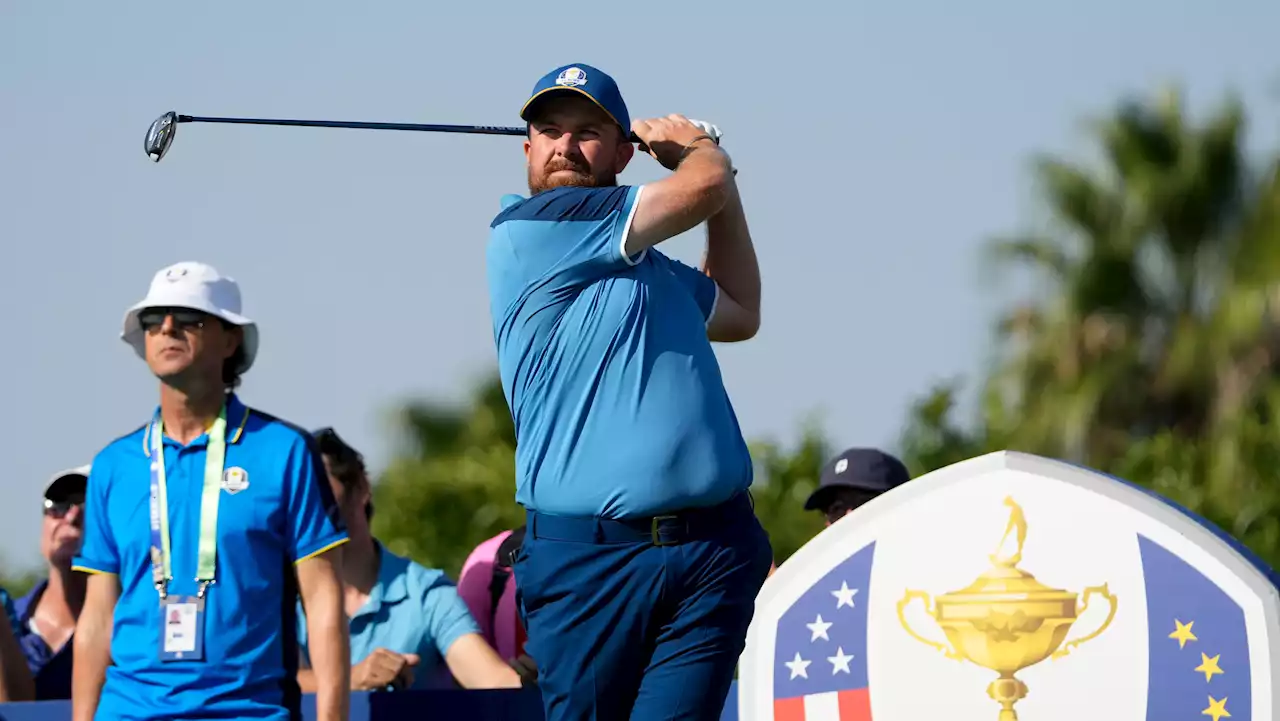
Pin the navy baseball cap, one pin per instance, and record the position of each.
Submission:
(862, 469)
(585, 80)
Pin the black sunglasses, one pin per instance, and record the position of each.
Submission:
(183, 318)
(846, 502)
(59, 509)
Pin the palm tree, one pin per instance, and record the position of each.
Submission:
(1152, 349)
(1138, 265)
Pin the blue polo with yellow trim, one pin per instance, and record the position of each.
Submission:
(282, 513)
(411, 609)
(619, 406)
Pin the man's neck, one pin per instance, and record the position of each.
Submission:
(188, 414)
(64, 596)
(360, 563)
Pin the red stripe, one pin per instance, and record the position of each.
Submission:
(788, 709)
(855, 705)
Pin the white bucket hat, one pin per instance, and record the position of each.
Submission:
(199, 287)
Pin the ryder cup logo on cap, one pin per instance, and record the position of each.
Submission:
(602, 90)
(196, 286)
(572, 77)
(1011, 586)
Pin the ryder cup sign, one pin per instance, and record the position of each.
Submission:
(1011, 587)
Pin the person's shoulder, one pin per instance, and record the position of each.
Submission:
(564, 204)
(269, 428)
(132, 446)
(421, 579)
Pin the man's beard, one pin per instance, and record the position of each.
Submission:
(580, 177)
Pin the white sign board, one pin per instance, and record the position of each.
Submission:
(1013, 587)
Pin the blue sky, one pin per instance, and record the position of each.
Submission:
(879, 146)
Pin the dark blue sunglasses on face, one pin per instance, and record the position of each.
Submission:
(183, 318)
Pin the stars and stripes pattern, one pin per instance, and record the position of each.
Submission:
(821, 645)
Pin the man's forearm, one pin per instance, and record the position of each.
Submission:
(329, 644)
(330, 663)
(15, 676)
(92, 655)
(731, 257)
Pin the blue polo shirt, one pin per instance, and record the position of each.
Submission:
(618, 402)
(284, 515)
(411, 609)
(50, 670)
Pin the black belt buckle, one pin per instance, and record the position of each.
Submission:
(653, 528)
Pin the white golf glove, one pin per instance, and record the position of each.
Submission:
(708, 128)
(714, 131)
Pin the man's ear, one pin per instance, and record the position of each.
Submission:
(626, 151)
(235, 339)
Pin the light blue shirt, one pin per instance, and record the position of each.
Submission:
(616, 394)
(411, 609)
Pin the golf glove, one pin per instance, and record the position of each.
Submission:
(714, 131)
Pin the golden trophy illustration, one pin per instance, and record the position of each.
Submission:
(1006, 620)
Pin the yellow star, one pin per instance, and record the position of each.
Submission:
(1183, 633)
(1217, 709)
(1209, 666)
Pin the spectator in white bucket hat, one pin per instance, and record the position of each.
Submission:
(190, 292)
(195, 616)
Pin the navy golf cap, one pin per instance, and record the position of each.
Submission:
(584, 80)
(863, 469)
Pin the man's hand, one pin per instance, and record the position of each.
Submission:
(671, 138)
(382, 668)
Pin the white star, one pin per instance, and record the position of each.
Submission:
(840, 662)
(798, 666)
(819, 628)
(844, 597)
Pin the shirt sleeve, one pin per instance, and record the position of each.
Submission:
(563, 238)
(316, 525)
(701, 286)
(447, 616)
(98, 551)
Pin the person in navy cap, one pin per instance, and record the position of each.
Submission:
(853, 478)
(642, 555)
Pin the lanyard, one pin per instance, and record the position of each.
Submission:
(215, 454)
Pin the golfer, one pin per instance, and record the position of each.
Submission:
(190, 608)
(642, 556)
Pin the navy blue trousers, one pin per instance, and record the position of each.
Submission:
(641, 620)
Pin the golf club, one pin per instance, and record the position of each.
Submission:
(160, 134)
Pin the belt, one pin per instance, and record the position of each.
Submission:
(668, 529)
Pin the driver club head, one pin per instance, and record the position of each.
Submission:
(160, 135)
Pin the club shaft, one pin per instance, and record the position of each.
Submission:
(431, 128)
(482, 129)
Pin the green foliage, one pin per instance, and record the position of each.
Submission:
(453, 486)
(17, 584)
(783, 480)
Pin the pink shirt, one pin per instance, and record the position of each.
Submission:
(473, 586)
